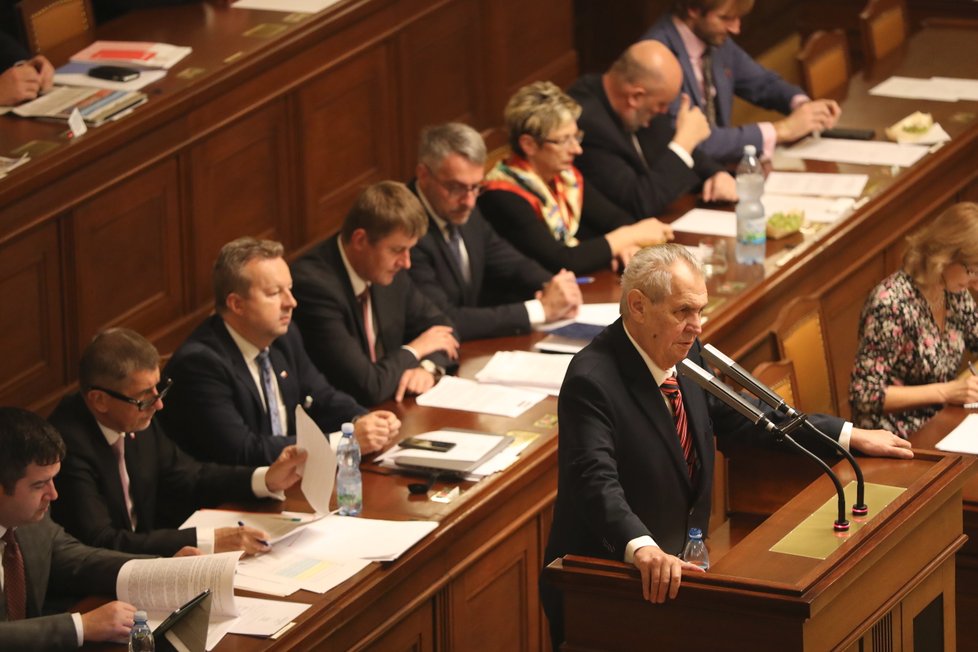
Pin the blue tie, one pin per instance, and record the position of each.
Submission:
(271, 397)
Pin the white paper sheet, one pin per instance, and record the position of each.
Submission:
(817, 209)
(319, 473)
(863, 152)
(525, 369)
(470, 396)
(913, 88)
(284, 567)
(289, 6)
(964, 89)
(277, 526)
(816, 184)
(342, 537)
(75, 73)
(963, 439)
(707, 222)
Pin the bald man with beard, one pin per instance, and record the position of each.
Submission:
(632, 152)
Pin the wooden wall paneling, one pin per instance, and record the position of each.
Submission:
(32, 319)
(347, 137)
(440, 63)
(241, 180)
(491, 601)
(413, 633)
(127, 264)
(544, 522)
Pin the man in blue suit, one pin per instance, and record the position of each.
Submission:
(698, 32)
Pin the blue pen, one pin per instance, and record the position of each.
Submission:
(584, 280)
(261, 541)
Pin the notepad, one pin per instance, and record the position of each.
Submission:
(471, 450)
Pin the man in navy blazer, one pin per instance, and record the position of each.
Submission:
(632, 152)
(365, 324)
(697, 28)
(627, 489)
(219, 408)
(112, 416)
(486, 286)
(53, 562)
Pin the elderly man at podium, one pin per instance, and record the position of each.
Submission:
(636, 444)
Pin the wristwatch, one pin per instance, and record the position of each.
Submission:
(432, 369)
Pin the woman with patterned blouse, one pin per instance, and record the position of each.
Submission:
(915, 327)
(536, 198)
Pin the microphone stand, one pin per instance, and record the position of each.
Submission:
(747, 381)
(782, 433)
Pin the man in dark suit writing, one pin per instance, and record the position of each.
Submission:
(38, 557)
(486, 286)
(636, 446)
(124, 483)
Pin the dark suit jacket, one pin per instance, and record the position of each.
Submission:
(215, 410)
(332, 324)
(734, 73)
(166, 486)
(11, 51)
(642, 186)
(493, 265)
(621, 469)
(55, 561)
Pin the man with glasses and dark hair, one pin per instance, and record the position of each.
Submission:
(39, 558)
(124, 483)
(486, 286)
(366, 325)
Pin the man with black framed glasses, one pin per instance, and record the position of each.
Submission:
(486, 286)
(124, 483)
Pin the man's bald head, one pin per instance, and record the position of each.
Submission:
(643, 82)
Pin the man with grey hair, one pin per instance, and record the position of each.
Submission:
(486, 286)
(632, 153)
(636, 447)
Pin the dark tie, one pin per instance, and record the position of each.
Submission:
(14, 585)
(368, 324)
(670, 387)
(271, 397)
(455, 245)
(709, 87)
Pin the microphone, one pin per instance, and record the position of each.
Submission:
(747, 380)
(752, 413)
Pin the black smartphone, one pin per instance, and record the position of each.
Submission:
(851, 134)
(113, 73)
(427, 444)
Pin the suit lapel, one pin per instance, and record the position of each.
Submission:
(689, 76)
(723, 84)
(238, 364)
(698, 427)
(331, 255)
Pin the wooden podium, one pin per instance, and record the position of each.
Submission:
(889, 585)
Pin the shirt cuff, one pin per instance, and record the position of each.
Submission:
(205, 540)
(798, 100)
(79, 628)
(535, 311)
(412, 351)
(260, 488)
(846, 435)
(635, 544)
(770, 138)
(679, 151)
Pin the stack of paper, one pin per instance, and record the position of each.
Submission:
(544, 371)
(453, 393)
(470, 450)
(133, 53)
(96, 105)
(860, 152)
(963, 439)
(345, 537)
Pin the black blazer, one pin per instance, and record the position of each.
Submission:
(215, 410)
(611, 163)
(56, 562)
(332, 324)
(166, 486)
(11, 51)
(496, 269)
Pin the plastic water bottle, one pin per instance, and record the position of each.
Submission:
(349, 482)
(751, 225)
(141, 636)
(695, 551)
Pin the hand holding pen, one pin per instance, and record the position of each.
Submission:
(963, 390)
(252, 540)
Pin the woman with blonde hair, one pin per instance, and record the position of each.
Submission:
(536, 198)
(915, 327)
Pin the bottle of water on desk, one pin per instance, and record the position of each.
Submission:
(751, 225)
(349, 482)
(141, 636)
(695, 551)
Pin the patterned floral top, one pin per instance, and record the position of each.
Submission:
(900, 344)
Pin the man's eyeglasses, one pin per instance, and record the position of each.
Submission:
(567, 141)
(159, 392)
(455, 189)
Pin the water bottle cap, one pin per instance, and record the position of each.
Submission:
(140, 617)
(695, 532)
(750, 150)
(347, 429)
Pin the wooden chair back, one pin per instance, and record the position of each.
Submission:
(49, 23)
(883, 24)
(824, 64)
(801, 334)
(780, 377)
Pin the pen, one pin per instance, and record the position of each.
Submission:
(584, 280)
(971, 365)
(261, 541)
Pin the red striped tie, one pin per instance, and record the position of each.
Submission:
(670, 387)
(14, 585)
